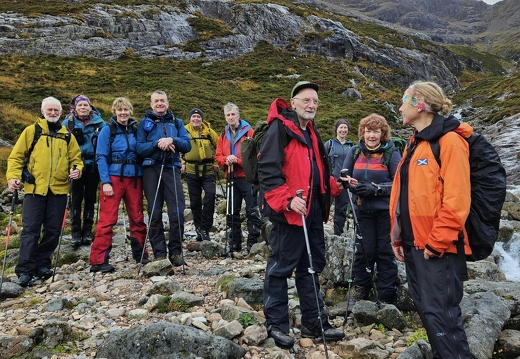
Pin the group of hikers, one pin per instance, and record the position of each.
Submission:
(401, 208)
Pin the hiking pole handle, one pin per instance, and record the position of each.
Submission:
(15, 198)
(299, 193)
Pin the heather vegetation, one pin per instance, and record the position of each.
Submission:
(252, 81)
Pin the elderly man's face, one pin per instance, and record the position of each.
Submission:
(305, 103)
(159, 104)
(51, 111)
(232, 118)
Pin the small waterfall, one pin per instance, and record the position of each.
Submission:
(510, 259)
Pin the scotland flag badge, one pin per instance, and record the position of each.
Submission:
(422, 162)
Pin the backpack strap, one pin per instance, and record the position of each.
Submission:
(331, 149)
(113, 133)
(436, 150)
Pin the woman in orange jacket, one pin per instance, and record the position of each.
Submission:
(429, 204)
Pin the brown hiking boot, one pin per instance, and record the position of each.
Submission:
(177, 260)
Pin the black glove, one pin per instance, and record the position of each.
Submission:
(366, 190)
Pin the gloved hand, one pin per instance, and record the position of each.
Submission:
(366, 190)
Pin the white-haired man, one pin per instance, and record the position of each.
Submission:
(44, 159)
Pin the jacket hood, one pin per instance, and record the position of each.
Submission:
(442, 125)
(281, 110)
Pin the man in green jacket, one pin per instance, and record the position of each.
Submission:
(200, 168)
(55, 159)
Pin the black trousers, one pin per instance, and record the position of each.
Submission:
(202, 208)
(289, 253)
(38, 211)
(239, 191)
(377, 250)
(168, 190)
(436, 290)
(84, 189)
(341, 203)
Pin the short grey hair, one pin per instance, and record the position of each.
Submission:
(159, 92)
(50, 99)
(231, 106)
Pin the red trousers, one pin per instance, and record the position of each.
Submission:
(108, 215)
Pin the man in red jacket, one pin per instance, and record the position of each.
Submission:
(292, 157)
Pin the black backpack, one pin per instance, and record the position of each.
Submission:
(26, 175)
(249, 149)
(488, 192)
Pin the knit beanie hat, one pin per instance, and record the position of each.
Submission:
(340, 122)
(197, 111)
(76, 100)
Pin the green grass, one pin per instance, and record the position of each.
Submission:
(252, 82)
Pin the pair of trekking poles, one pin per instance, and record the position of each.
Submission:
(164, 157)
(8, 239)
(358, 239)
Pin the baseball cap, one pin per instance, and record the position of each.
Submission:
(301, 85)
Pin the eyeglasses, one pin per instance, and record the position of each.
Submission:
(307, 101)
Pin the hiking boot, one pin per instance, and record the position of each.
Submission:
(235, 248)
(199, 235)
(75, 241)
(24, 280)
(103, 268)
(86, 239)
(281, 339)
(357, 293)
(145, 261)
(177, 260)
(159, 258)
(331, 333)
(44, 273)
(204, 235)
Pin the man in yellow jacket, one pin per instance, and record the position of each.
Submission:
(200, 168)
(53, 160)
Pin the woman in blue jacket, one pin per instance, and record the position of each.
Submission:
(121, 178)
(84, 122)
(371, 166)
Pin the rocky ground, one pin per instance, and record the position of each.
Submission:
(95, 305)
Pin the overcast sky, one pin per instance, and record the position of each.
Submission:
(491, 1)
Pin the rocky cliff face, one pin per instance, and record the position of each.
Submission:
(110, 31)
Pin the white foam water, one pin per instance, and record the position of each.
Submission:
(510, 260)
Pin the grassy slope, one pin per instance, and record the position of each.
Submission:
(252, 82)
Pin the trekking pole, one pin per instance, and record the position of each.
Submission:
(229, 209)
(15, 197)
(178, 217)
(127, 238)
(150, 215)
(312, 272)
(67, 209)
(228, 195)
(357, 236)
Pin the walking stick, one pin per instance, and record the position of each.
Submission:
(127, 237)
(15, 197)
(312, 272)
(229, 210)
(358, 238)
(178, 218)
(150, 215)
(67, 209)
(220, 183)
